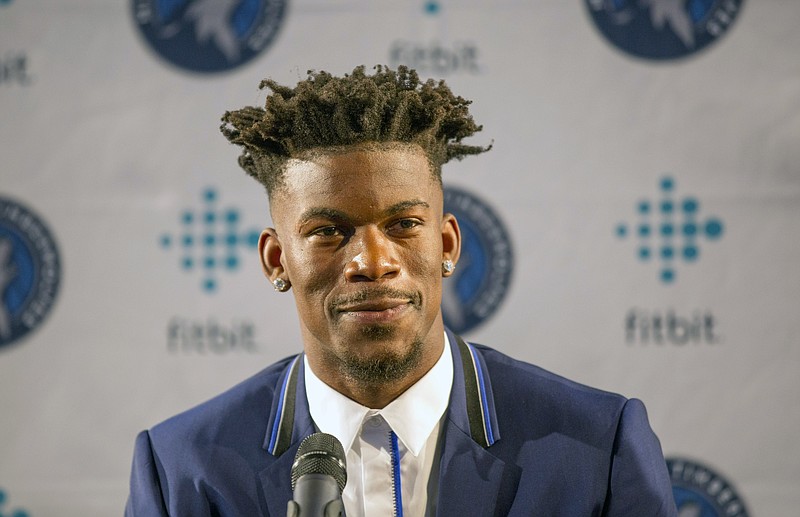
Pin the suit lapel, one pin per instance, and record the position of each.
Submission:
(277, 483)
(290, 422)
(472, 481)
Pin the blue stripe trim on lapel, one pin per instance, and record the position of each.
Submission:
(281, 435)
(481, 421)
(487, 424)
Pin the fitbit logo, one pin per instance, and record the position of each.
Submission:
(435, 58)
(209, 240)
(669, 230)
(188, 336)
(670, 327)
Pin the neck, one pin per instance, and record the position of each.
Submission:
(376, 396)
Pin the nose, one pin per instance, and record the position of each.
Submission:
(374, 257)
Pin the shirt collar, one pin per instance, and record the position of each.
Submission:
(412, 416)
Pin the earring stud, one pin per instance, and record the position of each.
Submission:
(448, 266)
(280, 285)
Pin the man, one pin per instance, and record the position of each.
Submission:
(431, 425)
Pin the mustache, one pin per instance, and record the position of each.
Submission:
(375, 293)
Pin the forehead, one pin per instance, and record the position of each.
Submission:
(357, 179)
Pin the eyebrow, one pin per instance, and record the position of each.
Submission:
(325, 213)
(338, 215)
(405, 205)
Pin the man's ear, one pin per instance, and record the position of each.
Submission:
(451, 240)
(270, 251)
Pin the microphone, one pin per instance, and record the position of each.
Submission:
(319, 474)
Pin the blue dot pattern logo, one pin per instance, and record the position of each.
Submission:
(11, 513)
(669, 230)
(663, 29)
(30, 271)
(701, 492)
(209, 240)
(432, 7)
(209, 36)
(483, 274)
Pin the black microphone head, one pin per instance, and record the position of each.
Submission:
(320, 453)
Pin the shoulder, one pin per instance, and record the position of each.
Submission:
(510, 373)
(209, 454)
(553, 428)
(529, 394)
(244, 408)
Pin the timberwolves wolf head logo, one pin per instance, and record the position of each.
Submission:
(209, 35)
(663, 29)
(481, 280)
(29, 271)
(701, 492)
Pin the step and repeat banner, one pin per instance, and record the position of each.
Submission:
(636, 226)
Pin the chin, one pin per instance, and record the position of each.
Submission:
(378, 332)
(385, 363)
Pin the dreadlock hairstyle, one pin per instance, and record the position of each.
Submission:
(325, 112)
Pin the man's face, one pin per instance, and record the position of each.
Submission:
(361, 237)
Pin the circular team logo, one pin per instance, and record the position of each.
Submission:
(29, 271)
(701, 492)
(663, 29)
(209, 35)
(481, 279)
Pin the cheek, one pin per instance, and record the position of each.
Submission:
(425, 264)
(311, 274)
(422, 266)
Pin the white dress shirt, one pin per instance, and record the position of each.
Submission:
(414, 417)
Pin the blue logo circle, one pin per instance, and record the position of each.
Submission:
(483, 274)
(209, 239)
(30, 271)
(701, 492)
(678, 230)
(663, 29)
(209, 36)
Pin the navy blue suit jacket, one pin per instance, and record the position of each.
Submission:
(565, 449)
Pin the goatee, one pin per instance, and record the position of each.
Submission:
(388, 367)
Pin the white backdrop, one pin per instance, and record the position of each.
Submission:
(116, 151)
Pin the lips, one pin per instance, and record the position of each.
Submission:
(373, 305)
(374, 311)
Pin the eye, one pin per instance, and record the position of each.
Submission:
(405, 225)
(327, 231)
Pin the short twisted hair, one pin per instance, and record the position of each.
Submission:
(325, 112)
